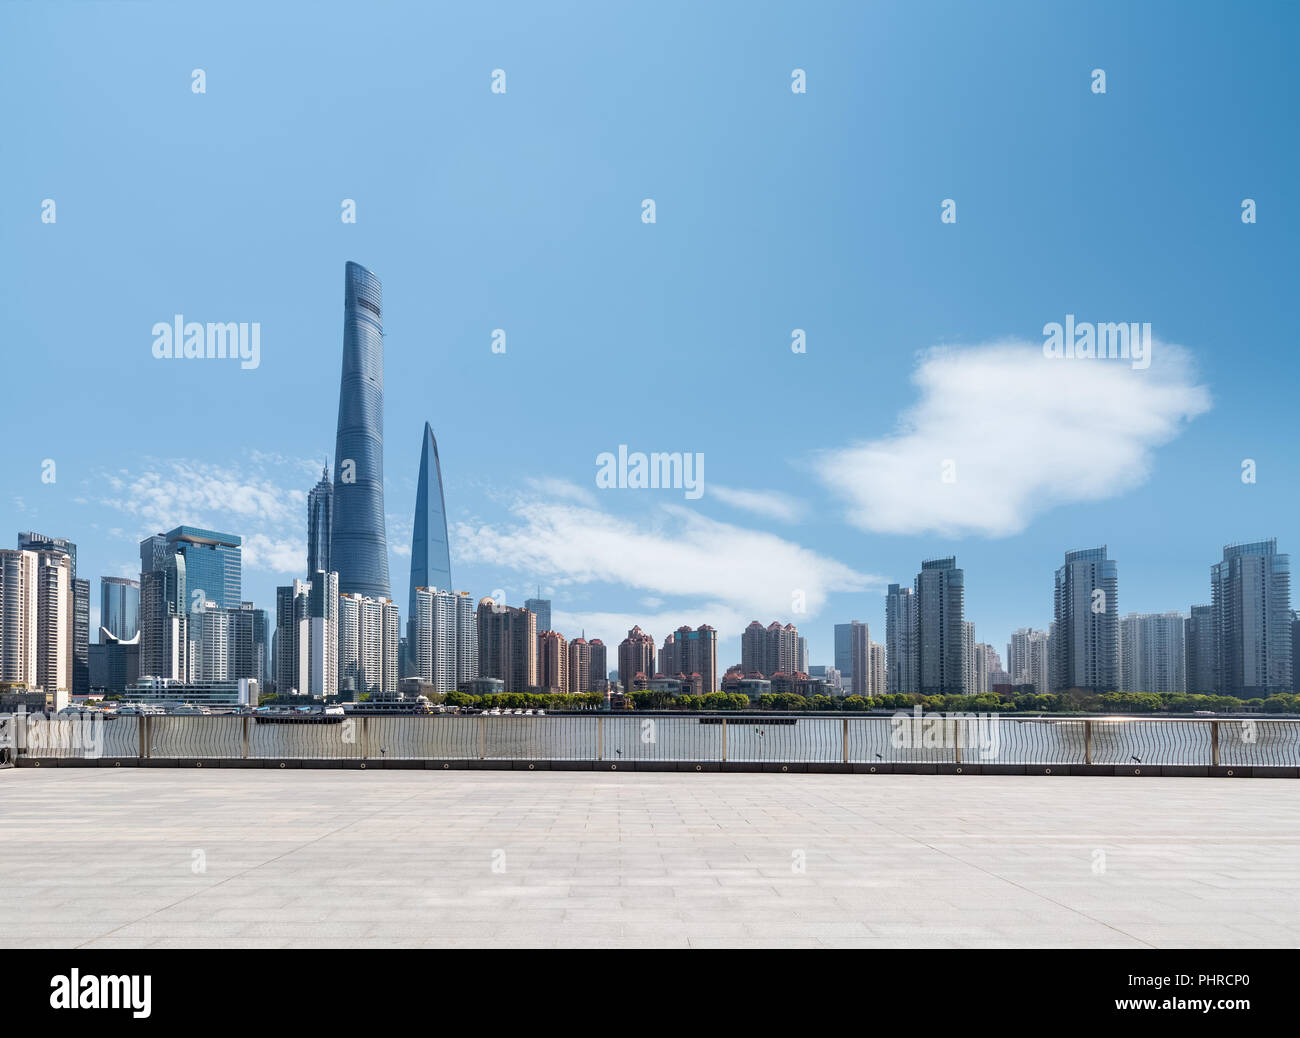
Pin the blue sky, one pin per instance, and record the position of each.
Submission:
(774, 211)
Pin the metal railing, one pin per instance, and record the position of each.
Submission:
(635, 738)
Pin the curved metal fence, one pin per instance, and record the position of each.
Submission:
(669, 738)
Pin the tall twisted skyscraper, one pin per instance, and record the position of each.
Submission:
(430, 555)
(358, 545)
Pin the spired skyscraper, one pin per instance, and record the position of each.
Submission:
(430, 554)
(320, 521)
(358, 544)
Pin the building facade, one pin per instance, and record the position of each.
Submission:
(1086, 642)
(358, 540)
(1250, 600)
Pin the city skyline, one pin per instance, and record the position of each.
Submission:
(510, 245)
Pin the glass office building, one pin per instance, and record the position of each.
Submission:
(119, 607)
(430, 554)
(358, 546)
(212, 565)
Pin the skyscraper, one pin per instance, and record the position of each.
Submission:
(1152, 653)
(358, 542)
(119, 607)
(859, 659)
(900, 640)
(213, 566)
(1029, 660)
(1085, 644)
(553, 662)
(843, 649)
(79, 632)
(542, 608)
(940, 636)
(636, 655)
(1251, 602)
(164, 641)
(292, 637)
(1199, 645)
(579, 666)
(507, 645)
(769, 650)
(599, 665)
(878, 667)
(18, 620)
(369, 636)
(430, 552)
(320, 523)
(443, 645)
(692, 654)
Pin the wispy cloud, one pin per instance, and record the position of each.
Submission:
(770, 504)
(261, 498)
(1018, 434)
(709, 571)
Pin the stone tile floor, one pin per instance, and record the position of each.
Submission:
(249, 858)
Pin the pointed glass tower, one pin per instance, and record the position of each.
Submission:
(430, 554)
(358, 542)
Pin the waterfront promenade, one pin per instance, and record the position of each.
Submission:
(139, 857)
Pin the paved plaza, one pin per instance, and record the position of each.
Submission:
(166, 857)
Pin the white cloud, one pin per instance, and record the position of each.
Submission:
(262, 506)
(275, 554)
(713, 572)
(767, 503)
(1025, 433)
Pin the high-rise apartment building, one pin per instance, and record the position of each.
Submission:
(1250, 592)
(900, 640)
(1152, 652)
(444, 638)
(1086, 642)
(369, 640)
(358, 541)
(691, 653)
(18, 617)
(507, 645)
(553, 662)
(769, 650)
(599, 665)
(79, 666)
(940, 637)
(636, 656)
(580, 667)
(1200, 646)
(1029, 659)
(879, 670)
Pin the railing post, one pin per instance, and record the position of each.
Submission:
(1087, 742)
(246, 719)
(724, 740)
(600, 737)
(365, 737)
(482, 736)
(844, 738)
(142, 736)
(1214, 743)
(956, 736)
